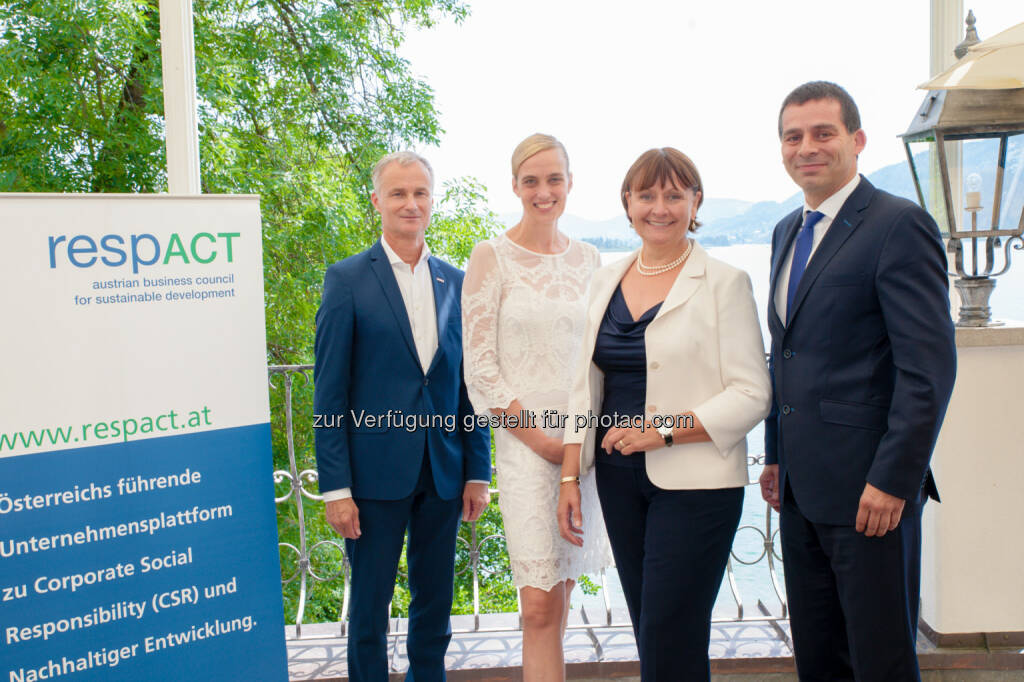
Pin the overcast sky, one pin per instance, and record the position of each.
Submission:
(612, 79)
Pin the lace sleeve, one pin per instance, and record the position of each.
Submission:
(481, 300)
(593, 260)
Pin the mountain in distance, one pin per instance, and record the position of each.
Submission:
(615, 234)
(735, 221)
(720, 209)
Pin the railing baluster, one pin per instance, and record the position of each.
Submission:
(308, 576)
(474, 559)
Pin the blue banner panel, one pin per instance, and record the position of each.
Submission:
(142, 560)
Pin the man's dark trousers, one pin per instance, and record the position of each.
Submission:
(848, 578)
(432, 523)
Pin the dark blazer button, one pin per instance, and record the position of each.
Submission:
(786, 409)
(787, 354)
(426, 381)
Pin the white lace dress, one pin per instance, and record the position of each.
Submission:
(522, 322)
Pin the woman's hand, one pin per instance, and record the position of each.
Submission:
(549, 448)
(532, 437)
(628, 440)
(570, 517)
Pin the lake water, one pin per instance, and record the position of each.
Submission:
(1007, 300)
(754, 582)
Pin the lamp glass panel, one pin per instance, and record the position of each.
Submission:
(980, 163)
(926, 164)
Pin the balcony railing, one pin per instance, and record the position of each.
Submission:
(292, 487)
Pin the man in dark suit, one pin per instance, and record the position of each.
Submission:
(396, 456)
(863, 362)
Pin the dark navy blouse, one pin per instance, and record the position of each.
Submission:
(620, 352)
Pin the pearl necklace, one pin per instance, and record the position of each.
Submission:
(651, 271)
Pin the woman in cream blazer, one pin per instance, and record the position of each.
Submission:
(672, 341)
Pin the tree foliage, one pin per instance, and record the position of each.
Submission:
(80, 97)
(297, 99)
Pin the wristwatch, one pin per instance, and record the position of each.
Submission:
(666, 433)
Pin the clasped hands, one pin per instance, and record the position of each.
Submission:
(343, 515)
(877, 514)
(630, 439)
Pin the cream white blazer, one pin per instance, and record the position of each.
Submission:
(705, 355)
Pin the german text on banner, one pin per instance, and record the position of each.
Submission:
(137, 530)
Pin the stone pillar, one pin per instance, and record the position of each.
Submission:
(971, 588)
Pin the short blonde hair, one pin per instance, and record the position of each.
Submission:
(535, 144)
(402, 159)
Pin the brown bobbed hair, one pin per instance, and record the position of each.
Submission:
(666, 165)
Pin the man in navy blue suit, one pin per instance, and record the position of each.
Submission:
(394, 453)
(863, 362)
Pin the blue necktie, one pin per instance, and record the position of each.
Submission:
(804, 240)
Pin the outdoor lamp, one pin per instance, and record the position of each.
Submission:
(989, 119)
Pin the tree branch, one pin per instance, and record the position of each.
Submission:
(293, 38)
(132, 99)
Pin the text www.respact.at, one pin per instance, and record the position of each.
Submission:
(123, 429)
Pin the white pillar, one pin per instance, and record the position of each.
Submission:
(177, 47)
(971, 592)
(971, 588)
(946, 30)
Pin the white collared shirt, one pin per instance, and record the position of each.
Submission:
(830, 208)
(417, 289)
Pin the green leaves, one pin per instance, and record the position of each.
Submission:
(460, 220)
(80, 96)
(297, 99)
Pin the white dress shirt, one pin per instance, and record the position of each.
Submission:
(417, 290)
(830, 208)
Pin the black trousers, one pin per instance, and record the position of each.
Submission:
(671, 549)
(853, 600)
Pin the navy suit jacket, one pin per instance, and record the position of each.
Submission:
(864, 370)
(367, 365)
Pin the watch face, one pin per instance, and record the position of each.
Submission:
(665, 430)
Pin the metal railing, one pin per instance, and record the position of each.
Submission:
(284, 377)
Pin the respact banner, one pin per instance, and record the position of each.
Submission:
(137, 528)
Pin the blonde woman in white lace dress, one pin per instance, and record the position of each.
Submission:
(523, 305)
